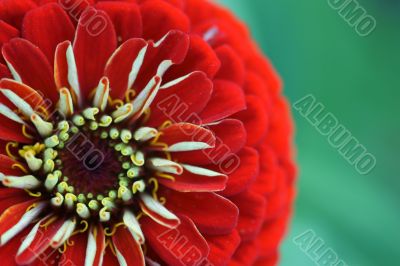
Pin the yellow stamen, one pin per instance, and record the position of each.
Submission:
(74, 97)
(154, 180)
(33, 194)
(144, 249)
(25, 133)
(155, 142)
(122, 113)
(147, 114)
(115, 103)
(43, 111)
(83, 230)
(164, 125)
(8, 151)
(49, 222)
(166, 176)
(113, 231)
(138, 186)
(63, 248)
(20, 166)
(66, 103)
(162, 200)
(31, 207)
(70, 242)
(135, 160)
(155, 189)
(130, 95)
(109, 243)
(168, 155)
(92, 93)
(101, 94)
(34, 149)
(164, 146)
(140, 215)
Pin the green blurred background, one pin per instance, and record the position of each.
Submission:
(358, 80)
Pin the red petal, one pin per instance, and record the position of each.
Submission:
(4, 72)
(12, 131)
(259, 64)
(231, 137)
(278, 199)
(41, 241)
(272, 234)
(65, 72)
(179, 247)
(98, 233)
(158, 212)
(120, 65)
(251, 214)
(10, 197)
(232, 67)
(227, 32)
(28, 94)
(76, 253)
(185, 132)
(183, 101)
(176, 3)
(255, 120)
(109, 258)
(50, 255)
(271, 260)
(12, 11)
(255, 85)
(200, 11)
(244, 174)
(200, 57)
(3, 144)
(160, 17)
(173, 46)
(95, 41)
(190, 182)
(226, 100)
(9, 251)
(128, 247)
(280, 134)
(7, 32)
(145, 98)
(74, 8)
(247, 253)
(222, 248)
(13, 215)
(32, 67)
(212, 214)
(46, 27)
(126, 18)
(266, 183)
(7, 166)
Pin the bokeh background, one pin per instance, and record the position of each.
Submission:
(358, 80)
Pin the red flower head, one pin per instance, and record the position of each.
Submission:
(147, 132)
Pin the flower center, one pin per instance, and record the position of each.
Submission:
(90, 164)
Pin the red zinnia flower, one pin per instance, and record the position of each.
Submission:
(141, 132)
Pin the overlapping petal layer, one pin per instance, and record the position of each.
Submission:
(201, 103)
